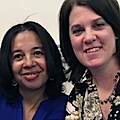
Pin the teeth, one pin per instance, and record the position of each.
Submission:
(92, 50)
(32, 74)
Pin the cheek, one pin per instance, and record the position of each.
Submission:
(76, 44)
(77, 48)
(110, 41)
(42, 64)
(15, 68)
(109, 37)
(113, 46)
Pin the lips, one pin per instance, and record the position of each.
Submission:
(94, 49)
(31, 75)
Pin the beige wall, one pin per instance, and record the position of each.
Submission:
(15, 11)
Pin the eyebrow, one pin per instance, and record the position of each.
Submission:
(78, 25)
(100, 18)
(14, 51)
(37, 47)
(75, 26)
(34, 48)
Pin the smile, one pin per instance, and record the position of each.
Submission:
(92, 50)
(31, 76)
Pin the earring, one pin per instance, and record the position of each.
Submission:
(14, 83)
(51, 79)
(116, 37)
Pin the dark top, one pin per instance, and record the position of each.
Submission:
(83, 102)
(51, 109)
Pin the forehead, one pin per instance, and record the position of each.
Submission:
(81, 13)
(26, 38)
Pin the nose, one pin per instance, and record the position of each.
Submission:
(29, 62)
(89, 36)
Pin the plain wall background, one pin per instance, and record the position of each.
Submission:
(45, 12)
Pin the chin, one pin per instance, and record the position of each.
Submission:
(93, 66)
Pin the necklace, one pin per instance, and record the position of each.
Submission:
(110, 97)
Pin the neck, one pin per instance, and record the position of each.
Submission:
(31, 101)
(32, 96)
(104, 75)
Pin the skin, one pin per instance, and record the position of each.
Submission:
(92, 38)
(30, 71)
(28, 61)
(93, 42)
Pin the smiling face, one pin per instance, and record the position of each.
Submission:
(92, 38)
(28, 61)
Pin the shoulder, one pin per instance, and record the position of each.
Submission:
(58, 107)
(53, 109)
(78, 89)
(58, 103)
(60, 99)
(5, 108)
(2, 99)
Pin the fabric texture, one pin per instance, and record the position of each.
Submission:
(51, 109)
(83, 102)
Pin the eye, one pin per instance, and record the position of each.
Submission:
(38, 53)
(17, 57)
(78, 31)
(99, 25)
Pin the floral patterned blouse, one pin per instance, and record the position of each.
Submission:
(83, 102)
